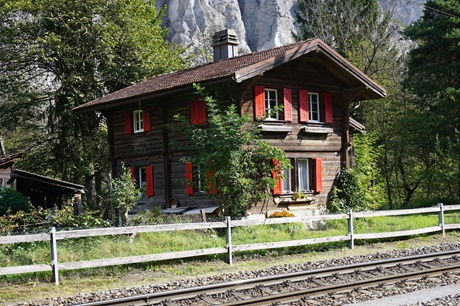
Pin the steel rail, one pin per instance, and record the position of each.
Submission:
(293, 296)
(193, 292)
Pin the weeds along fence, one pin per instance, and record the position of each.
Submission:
(54, 236)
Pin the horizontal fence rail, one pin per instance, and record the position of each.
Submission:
(53, 236)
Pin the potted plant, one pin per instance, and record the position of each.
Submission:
(299, 196)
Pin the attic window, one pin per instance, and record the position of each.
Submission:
(271, 104)
(315, 107)
(138, 121)
(267, 101)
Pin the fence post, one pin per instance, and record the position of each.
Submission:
(350, 228)
(203, 215)
(441, 218)
(54, 260)
(229, 240)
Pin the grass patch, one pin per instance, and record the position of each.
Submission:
(91, 248)
(38, 286)
(452, 217)
(286, 232)
(394, 223)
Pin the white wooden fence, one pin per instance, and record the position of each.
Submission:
(53, 236)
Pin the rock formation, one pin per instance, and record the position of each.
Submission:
(259, 24)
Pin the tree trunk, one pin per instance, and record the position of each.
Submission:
(90, 188)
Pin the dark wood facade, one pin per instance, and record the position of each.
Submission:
(288, 74)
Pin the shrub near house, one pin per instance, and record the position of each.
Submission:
(12, 201)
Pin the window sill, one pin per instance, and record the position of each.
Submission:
(276, 126)
(290, 200)
(316, 129)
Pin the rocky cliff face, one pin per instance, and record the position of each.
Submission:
(260, 24)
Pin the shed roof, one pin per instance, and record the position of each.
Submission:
(46, 183)
(236, 69)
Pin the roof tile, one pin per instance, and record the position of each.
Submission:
(206, 72)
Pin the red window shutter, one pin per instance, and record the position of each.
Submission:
(197, 112)
(128, 123)
(328, 107)
(259, 102)
(303, 106)
(287, 104)
(318, 173)
(146, 118)
(188, 178)
(133, 173)
(149, 181)
(275, 174)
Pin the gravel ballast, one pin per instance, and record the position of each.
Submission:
(443, 294)
(440, 295)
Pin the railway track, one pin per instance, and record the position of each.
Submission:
(302, 286)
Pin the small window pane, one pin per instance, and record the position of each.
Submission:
(314, 110)
(142, 185)
(271, 102)
(138, 121)
(287, 181)
(302, 172)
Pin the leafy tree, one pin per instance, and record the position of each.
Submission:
(415, 127)
(434, 77)
(58, 54)
(233, 160)
(357, 29)
(399, 132)
(124, 193)
(367, 154)
(367, 37)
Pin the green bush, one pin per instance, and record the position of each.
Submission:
(65, 217)
(347, 192)
(12, 201)
(40, 219)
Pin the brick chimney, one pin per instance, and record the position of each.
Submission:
(225, 44)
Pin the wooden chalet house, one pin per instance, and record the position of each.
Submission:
(314, 84)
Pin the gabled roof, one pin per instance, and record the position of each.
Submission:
(237, 69)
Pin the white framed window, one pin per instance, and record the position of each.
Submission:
(314, 107)
(271, 103)
(302, 177)
(142, 179)
(138, 121)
